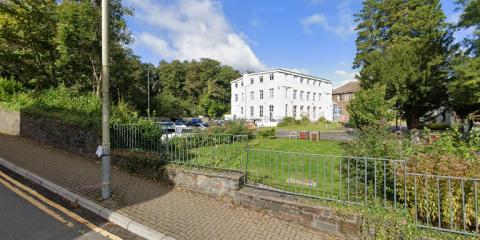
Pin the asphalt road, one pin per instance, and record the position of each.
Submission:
(23, 219)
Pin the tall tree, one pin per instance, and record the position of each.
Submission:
(405, 45)
(78, 41)
(27, 49)
(464, 89)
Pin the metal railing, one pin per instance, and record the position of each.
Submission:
(219, 151)
(437, 202)
(445, 203)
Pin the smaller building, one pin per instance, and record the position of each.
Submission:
(341, 96)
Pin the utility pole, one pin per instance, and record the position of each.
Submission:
(148, 90)
(106, 188)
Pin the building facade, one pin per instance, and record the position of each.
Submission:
(341, 97)
(272, 95)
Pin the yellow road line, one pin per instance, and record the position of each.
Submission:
(34, 202)
(54, 205)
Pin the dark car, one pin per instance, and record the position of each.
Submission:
(194, 121)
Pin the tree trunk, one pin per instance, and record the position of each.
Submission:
(412, 119)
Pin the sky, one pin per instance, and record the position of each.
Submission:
(315, 37)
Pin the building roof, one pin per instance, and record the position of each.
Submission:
(350, 87)
(288, 72)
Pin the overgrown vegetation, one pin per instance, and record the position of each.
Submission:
(65, 104)
(304, 124)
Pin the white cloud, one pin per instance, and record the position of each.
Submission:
(192, 29)
(345, 22)
(345, 77)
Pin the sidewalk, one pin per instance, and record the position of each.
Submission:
(176, 213)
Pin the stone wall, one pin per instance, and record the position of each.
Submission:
(217, 184)
(9, 122)
(298, 210)
(83, 141)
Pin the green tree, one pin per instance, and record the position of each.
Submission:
(464, 89)
(27, 49)
(370, 108)
(405, 45)
(78, 41)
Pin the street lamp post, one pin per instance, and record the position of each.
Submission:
(106, 188)
(148, 91)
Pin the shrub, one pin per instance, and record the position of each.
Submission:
(369, 107)
(269, 133)
(236, 127)
(288, 121)
(438, 126)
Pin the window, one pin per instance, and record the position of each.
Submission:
(301, 95)
(301, 110)
(261, 111)
(252, 110)
(319, 96)
(294, 94)
(251, 95)
(251, 80)
(294, 110)
(241, 83)
(236, 84)
(261, 78)
(241, 110)
(308, 111)
(243, 97)
(261, 94)
(236, 97)
(271, 92)
(301, 80)
(314, 83)
(339, 110)
(286, 110)
(308, 81)
(314, 95)
(286, 93)
(270, 111)
(314, 113)
(271, 76)
(308, 96)
(339, 97)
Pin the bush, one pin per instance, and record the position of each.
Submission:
(370, 107)
(236, 127)
(438, 126)
(288, 121)
(269, 133)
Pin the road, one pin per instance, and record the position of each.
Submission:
(28, 211)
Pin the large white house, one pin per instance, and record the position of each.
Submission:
(272, 95)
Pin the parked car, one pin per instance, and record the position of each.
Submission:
(169, 127)
(201, 126)
(194, 121)
(181, 127)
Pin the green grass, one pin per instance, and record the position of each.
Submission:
(291, 165)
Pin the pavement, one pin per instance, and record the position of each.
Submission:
(176, 213)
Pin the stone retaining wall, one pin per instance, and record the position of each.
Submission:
(297, 210)
(217, 184)
(9, 122)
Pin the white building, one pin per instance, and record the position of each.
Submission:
(273, 95)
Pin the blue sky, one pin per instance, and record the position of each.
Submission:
(310, 36)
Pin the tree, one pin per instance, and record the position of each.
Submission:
(370, 108)
(405, 45)
(464, 89)
(27, 49)
(78, 42)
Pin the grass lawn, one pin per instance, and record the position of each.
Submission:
(291, 165)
